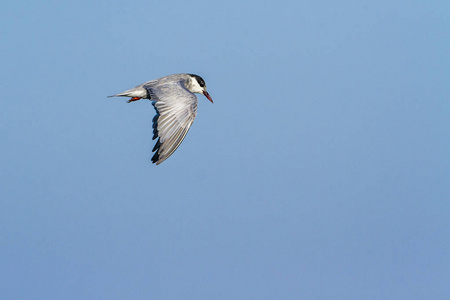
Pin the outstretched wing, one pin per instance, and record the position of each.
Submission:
(176, 108)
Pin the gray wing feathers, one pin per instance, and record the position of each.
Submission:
(176, 108)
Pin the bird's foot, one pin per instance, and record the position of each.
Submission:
(134, 99)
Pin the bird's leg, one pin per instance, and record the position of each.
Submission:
(134, 99)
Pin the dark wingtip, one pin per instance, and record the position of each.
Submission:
(155, 126)
(155, 157)
(157, 145)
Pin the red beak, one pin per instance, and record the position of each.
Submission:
(207, 96)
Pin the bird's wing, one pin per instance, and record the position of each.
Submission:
(176, 108)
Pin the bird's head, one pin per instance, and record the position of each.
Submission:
(196, 84)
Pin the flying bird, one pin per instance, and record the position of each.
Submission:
(176, 107)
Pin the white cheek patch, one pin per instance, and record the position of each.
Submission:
(195, 87)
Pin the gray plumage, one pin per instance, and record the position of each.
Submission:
(176, 107)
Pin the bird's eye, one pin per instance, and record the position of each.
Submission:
(200, 80)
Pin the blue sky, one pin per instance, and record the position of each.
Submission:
(320, 172)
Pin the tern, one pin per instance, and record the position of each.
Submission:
(176, 107)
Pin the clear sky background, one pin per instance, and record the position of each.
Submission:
(320, 172)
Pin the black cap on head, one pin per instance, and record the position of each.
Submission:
(200, 80)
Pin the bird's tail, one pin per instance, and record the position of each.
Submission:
(137, 92)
